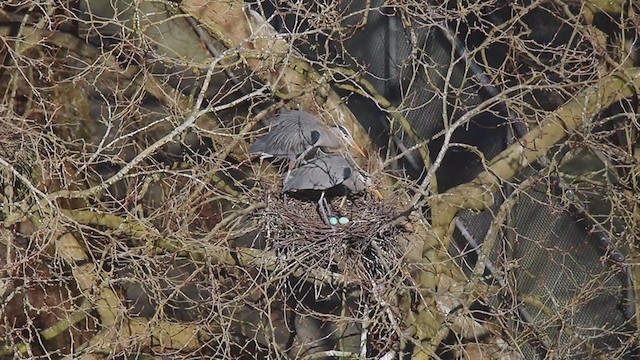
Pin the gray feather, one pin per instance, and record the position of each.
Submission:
(293, 132)
(325, 172)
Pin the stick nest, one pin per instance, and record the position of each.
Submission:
(365, 249)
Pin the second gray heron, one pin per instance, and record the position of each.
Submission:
(326, 172)
(295, 133)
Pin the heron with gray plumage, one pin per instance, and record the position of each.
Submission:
(295, 133)
(325, 172)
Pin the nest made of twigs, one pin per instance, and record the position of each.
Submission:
(364, 249)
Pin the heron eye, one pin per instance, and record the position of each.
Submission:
(344, 131)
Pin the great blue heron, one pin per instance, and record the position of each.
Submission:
(295, 133)
(325, 172)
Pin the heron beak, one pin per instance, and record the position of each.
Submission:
(359, 150)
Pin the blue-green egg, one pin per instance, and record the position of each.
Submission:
(343, 220)
(333, 220)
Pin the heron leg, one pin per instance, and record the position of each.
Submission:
(286, 176)
(342, 202)
(292, 165)
(301, 157)
(327, 206)
(323, 208)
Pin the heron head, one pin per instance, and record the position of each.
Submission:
(365, 181)
(345, 134)
(364, 178)
(359, 181)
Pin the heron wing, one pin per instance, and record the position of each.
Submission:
(290, 116)
(293, 133)
(319, 173)
(328, 136)
(260, 147)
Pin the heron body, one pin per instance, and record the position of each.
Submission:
(295, 133)
(325, 172)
